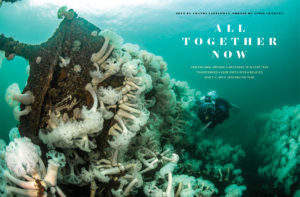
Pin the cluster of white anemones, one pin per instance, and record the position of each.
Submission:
(129, 116)
(23, 172)
(14, 97)
(279, 144)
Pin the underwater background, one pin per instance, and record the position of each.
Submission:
(155, 27)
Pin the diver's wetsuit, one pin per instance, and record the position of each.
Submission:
(222, 111)
(215, 115)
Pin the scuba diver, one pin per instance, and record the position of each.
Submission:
(214, 110)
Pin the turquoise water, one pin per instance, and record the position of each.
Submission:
(159, 30)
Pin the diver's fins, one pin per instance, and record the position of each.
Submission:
(206, 126)
(234, 107)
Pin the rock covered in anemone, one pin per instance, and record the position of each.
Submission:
(279, 144)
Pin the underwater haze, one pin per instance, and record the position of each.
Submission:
(156, 28)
